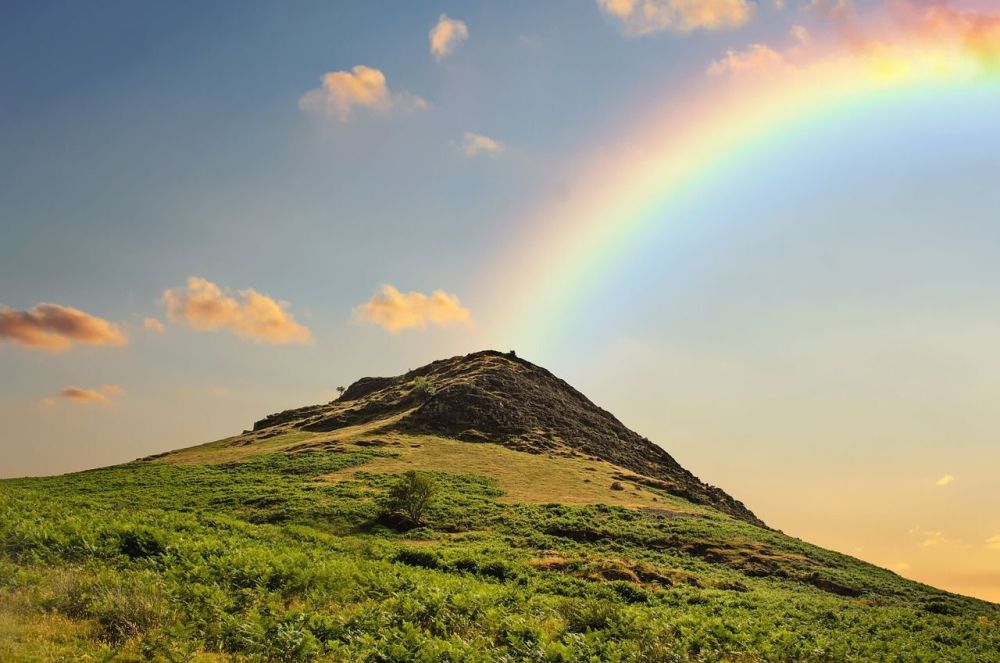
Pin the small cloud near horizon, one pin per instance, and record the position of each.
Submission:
(446, 35)
(932, 537)
(945, 480)
(473, 144)
(204, 306)
(642, 17)
(55, 328)
(993, 542)
(103, 395)
(395, 311)
(341, 92)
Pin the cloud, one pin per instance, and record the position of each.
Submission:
(833, 9)
(755, 59)
(206, 307)
(945, 480)
(100, 396)
(53, 327)
(395, 311)
(640, 17)
(993, 542)
(446, 35)
(341, 92)
(800, 33)
(898, 567)
(933, 537)
(473, 144)
(894, 40)
(153, 325)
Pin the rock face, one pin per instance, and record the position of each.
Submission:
(495, 397)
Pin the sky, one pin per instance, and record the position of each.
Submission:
(763, 234)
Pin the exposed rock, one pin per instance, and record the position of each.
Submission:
(497, 397)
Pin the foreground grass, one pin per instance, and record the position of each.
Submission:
(264, 557)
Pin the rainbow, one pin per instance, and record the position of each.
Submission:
(619, 196)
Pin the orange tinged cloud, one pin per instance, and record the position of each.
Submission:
(54, 327)
(363, 87)
(902, 40)
(757, 58)
(446, 35)
(153, 325)
(204, 306)
(395, 311)
(100, 396)
(641, 17)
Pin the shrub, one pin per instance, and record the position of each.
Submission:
(140, 543)
(411, 496)
(423, 387)
(617, 485)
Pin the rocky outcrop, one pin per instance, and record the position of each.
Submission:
(497, 397)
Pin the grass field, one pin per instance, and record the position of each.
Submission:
(275, 550)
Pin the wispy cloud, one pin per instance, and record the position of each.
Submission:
(993, 542)
(54, 327)
(153, 325)
(395, 311)
(473, 144)
(756, 58)
(931, 537)
(341, 92)
(640, 17)
(103, 395)
(205, 306)
(446, 35)
(945, 480)
(891, 40)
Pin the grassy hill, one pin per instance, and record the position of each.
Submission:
(276, 545)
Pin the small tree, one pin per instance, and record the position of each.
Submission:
(423, 387)
(340, 391)
(411, 496)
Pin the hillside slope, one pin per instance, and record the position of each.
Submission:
(556, 535)
(495, 397)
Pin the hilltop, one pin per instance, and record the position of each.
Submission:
(497, 397)
(556, 534)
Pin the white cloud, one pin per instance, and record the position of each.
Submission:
(801, 34)
(341, 92)
(446, 35)
(473, 144)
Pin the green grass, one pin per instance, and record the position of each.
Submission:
(264, 557)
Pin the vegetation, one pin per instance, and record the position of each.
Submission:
(410, 496)
(423, 387)
(283, 556)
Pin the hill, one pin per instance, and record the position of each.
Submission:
(556, 534)
(493, 397)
